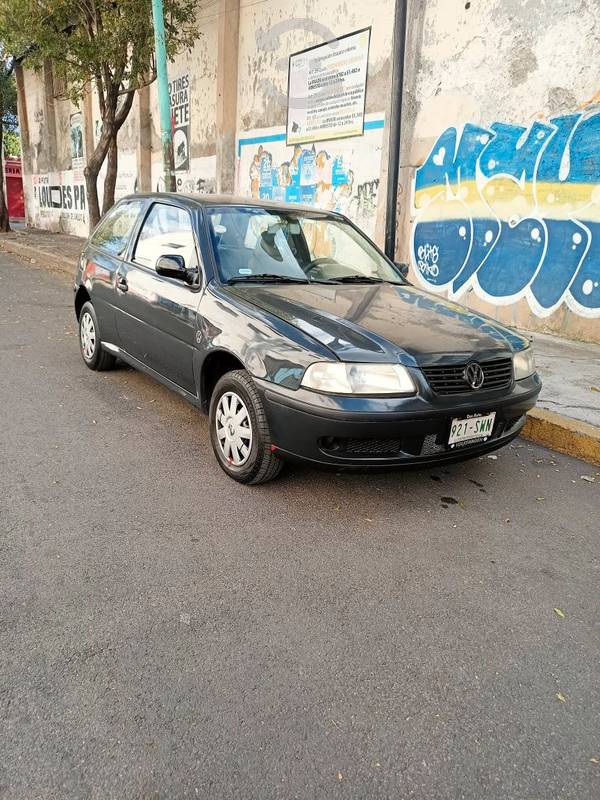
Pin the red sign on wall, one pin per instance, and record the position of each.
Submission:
(14, 188)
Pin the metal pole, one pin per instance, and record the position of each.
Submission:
(399, 46)
(166, 133)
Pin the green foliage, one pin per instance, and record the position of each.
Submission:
(8, 110)
(108, 41)
(102, 45)
(8, 91)
(12, 143)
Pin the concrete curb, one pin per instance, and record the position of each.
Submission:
(563, 434)
(39, 257)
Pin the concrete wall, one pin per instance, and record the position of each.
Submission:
(499, 198)
(238, 102)
(269, 33)
(500, 179)
(54, 190)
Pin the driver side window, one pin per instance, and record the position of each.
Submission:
(167, 231)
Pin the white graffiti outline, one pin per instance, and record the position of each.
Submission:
(425, 253)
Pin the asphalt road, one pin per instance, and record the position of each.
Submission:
(166, 633)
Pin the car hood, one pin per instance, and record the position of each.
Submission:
(383, 322)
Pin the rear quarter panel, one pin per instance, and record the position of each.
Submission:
(96, 273)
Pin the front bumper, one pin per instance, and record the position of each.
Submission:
(371, 432)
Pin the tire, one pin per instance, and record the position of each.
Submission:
(254, 461)
(90, 343)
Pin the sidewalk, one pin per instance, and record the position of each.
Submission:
(54, 251)
(567, 417)
(571, 374)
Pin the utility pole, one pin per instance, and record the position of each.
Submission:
(164, 104)
(399, 50)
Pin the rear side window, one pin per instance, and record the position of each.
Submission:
(114, 230)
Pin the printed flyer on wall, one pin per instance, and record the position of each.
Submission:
(327, 89)
(179, 96)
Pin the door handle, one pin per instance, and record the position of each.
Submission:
(122, 283)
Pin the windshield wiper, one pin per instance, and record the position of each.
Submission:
(358, 279)
(266, 278)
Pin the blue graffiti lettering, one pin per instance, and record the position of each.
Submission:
(512, 213)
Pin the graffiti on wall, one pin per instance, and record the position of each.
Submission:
(200, 178)
(513, 212)
(60, 199)
(341, 175)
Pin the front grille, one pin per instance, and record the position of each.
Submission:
(449, 378)
(374, 448)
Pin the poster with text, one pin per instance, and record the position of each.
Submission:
(179, 95)
(76, 130)
(327, 89)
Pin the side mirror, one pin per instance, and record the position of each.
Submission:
(402, 268)
(172, 267)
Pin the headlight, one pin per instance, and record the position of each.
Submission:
(524, 364)
(340, 378)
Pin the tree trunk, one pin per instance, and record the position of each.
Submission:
(110, 179)
(4, 219)
(112, 120)
(91, 192)
(91, 172)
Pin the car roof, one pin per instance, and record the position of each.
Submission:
(195, 200)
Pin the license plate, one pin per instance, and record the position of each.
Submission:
(462, 430)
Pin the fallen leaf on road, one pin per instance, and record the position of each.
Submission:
(588, 478)
(450, 500)
(559, 613)
(540, 498)
(594, 388)
(561, 697)
(595, 760)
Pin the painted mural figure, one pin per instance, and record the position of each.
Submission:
(312, 177)
(513, 212)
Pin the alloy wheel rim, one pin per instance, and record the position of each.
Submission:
(234, 429)
(87, 332)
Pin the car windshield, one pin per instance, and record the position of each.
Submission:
(259, 244)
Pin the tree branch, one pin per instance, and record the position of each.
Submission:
(125, 108)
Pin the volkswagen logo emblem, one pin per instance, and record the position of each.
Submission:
(473, 375)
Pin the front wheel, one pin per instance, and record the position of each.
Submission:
(239, 430)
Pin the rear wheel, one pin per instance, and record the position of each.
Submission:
(90, 343)
(239, 430)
